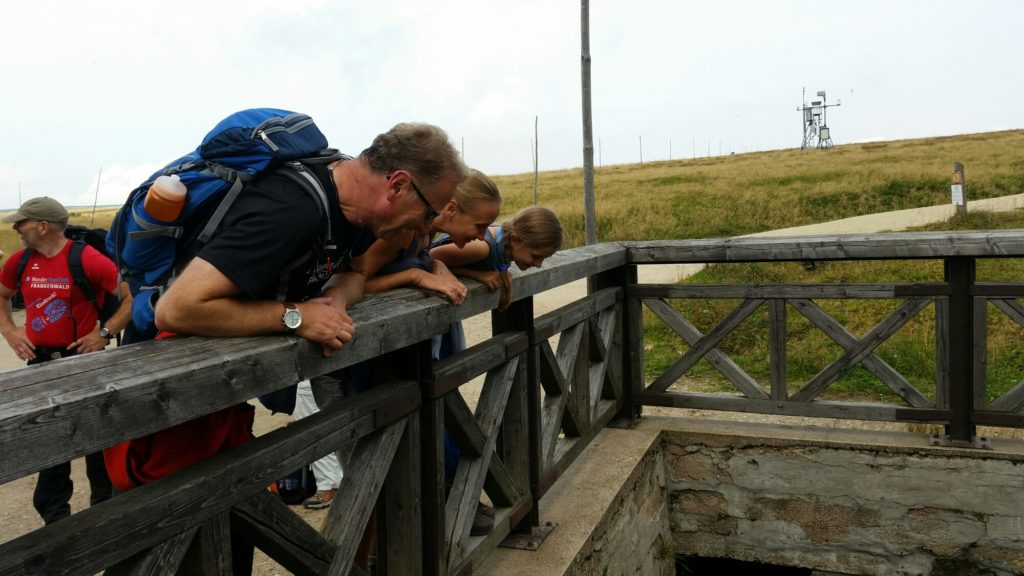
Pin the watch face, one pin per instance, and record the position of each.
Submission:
(292, 318)
(104, 333)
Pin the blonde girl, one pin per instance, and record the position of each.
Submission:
(529, 238)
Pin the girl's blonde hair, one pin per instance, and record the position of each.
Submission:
(478, 189)
(536, 227)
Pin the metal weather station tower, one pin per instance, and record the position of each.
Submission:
(816, 132)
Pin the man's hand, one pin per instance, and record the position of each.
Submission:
(325, 324)
(91, 342)
(18, 340)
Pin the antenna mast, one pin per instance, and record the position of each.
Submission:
(815, 127)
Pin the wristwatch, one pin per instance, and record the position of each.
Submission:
(106, 333)
(292, 318)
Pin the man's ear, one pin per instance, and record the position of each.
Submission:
(397, 180)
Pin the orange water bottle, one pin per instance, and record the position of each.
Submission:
(165, 198)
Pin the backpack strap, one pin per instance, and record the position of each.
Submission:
(25, 255)
(78, 273)
(294, 171)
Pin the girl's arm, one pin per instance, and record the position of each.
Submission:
(488, 278)
(448, 285)
(455, 257)
(380, 253)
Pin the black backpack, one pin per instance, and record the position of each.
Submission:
(80, 236)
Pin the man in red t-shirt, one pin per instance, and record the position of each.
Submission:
(60, 321)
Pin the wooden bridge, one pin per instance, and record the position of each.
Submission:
(540, 406)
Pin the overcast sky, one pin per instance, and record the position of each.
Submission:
(128, 86)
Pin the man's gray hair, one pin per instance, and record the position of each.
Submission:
(422, 149)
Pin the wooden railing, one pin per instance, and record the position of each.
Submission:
(960, 400)
(540, 406)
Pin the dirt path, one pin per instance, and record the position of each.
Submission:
(17, 516)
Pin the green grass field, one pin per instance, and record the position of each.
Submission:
(746, 193)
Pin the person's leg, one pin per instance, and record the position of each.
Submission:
(52, 495)
(326, 470)
(100, 488)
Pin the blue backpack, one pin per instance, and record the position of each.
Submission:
(150, 254)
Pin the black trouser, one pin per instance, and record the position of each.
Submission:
(54, 487)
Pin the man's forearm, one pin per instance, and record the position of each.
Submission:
(222, 317)
(345, 289)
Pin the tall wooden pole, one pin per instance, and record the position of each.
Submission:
(95, 198)
(536, 158)
(589, 209)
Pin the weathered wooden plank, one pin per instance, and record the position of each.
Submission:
(518, 444)
(567, 266)
(599, 336)
(979, 352)
(570, 448)
(562, 412)
(902, 245)
(350, 511)
(461, 425)
(470, 476)
(552, 376)
(700, 348)
(783, 291)
(777, 338)
(725, 365)
(587, 307)
(817, 408)
(609, 330)
(553, 404)
(456, 370)
(1012, 401)
(861, 349)
(214, 547)
(432, 487)
(401, 531)
(96, 537)
(164, 558)
(942, 353)
(285, 537)
(880, 368)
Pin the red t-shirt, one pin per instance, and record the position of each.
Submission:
(52, 300)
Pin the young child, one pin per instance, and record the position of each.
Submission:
(529, 238)
(406, 261)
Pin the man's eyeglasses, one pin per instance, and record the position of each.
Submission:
(431, 213)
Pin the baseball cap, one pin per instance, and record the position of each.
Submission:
(42, 208)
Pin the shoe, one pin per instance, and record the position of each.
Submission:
(482, 523)
(322, 499)
(484, 509)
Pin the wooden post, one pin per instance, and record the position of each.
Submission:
(589, 206)
(521, 449)
(959, 191)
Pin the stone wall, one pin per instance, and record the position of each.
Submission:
(846, 508)
(633, 536)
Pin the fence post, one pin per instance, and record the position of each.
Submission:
(632, 338)
(960, 274)
(523, 404)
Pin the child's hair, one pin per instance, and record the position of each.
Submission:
(536, 227)
(476, 190)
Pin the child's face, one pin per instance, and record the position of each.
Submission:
(527, 257)
(466, 226)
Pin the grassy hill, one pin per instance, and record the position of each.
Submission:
(747, 193)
